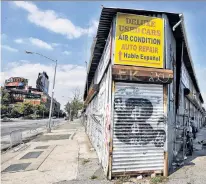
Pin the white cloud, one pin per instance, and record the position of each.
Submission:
(19, 40)
(6, 47)
(59, 45)
(93, 27)
(2, 78)
(66, 52)
(56, 44)
(65, 76)
(52, 21)
(3, 36)
(39, 43)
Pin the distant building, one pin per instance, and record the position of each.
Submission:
(42, 82)
(21, 92)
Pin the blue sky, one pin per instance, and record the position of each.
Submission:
(64, 31)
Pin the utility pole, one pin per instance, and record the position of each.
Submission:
(51, 104)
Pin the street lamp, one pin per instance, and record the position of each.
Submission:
(51, 105)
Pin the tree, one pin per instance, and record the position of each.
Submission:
(27, 108)
(6, 100)
(76, 104)
(16, 111)
(68, 108)
(40, 110)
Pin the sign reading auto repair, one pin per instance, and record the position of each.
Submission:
(139, 40)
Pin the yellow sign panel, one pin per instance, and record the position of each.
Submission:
(139, 41)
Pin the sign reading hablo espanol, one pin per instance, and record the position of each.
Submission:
(139, 40)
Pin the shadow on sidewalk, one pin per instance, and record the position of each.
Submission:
(199, 150)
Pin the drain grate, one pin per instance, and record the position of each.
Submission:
(41, 147)
(32, 155)
(16, 167)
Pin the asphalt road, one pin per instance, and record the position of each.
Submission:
(8, 127)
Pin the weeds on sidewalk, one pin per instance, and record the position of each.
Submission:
(122, 179)
(85, 161)
(93, 177)
(158, 179)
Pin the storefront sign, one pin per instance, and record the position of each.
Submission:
(16, 81)
(139, 40)
(150, 75)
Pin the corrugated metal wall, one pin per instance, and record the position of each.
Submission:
(95, 125)
(107, 121)
(170, 54)
(139, 128)
(95, 119)
(98, 119)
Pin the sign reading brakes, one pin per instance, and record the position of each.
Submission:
(139, 40)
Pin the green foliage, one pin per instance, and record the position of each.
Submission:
(93, 177)
(6, 99)
(16, 111)
(67, 107)
(40, 110)
(76, 104)
(158, 179)
(27, 108)
(4, 109)
(85, 161)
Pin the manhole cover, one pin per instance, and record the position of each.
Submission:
(41, 147)
(32, 155)
(16, 167)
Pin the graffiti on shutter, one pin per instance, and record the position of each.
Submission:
(139, 127)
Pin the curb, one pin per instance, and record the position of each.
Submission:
(27, 138)
(24, 140)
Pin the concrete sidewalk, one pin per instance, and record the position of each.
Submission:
(28, 134)
(63, 156)
(194, 169)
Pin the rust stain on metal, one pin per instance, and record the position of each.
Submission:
(165, 164)
(165, 91)
(130, 173)
(110, 158)
(141, 74)
(92, 91)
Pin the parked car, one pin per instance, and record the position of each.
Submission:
(54, 117)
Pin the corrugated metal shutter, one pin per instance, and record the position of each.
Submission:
(139, 129)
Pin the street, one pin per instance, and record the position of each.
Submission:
(17, 124)
(8, 127)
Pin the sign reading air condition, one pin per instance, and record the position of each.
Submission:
(139, 40)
